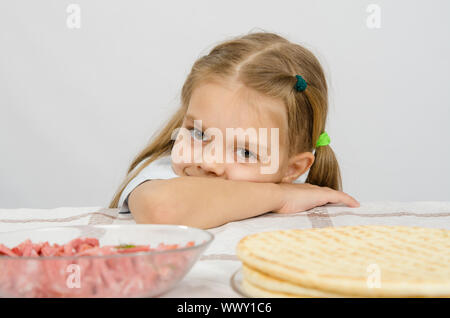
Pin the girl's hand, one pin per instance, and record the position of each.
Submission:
(299, 197)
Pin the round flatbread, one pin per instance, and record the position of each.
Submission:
(258, 292)
(263, 283)
(358, 261)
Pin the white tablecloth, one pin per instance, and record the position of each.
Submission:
(210, 276)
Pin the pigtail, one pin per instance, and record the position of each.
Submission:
(325, 171)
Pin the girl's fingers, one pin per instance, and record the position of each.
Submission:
(351, 201)
(341, 197)
(354, 201)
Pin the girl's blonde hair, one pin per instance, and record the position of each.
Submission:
(267, 63)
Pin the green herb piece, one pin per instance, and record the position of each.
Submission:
(125, 246)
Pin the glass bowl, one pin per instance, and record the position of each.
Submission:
(134, 274)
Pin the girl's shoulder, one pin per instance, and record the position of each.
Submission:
(160, 168)
(166, 160)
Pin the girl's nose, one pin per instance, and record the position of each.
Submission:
(213, 168)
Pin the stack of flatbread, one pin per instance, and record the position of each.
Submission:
(348, 261)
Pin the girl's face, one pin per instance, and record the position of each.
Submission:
(232, 105)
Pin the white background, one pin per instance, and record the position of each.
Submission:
(78, 104)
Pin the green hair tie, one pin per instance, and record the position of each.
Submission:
(324, 140)
(301, 83)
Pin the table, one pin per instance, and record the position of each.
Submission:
(210, 276)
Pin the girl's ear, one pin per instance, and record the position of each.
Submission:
(298, 165)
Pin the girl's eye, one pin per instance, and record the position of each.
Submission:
(198, 134)
(246, 153)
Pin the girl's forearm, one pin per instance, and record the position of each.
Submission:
(202, 202)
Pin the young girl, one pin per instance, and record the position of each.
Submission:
(259, 80)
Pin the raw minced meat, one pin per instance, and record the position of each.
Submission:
(124, 276)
